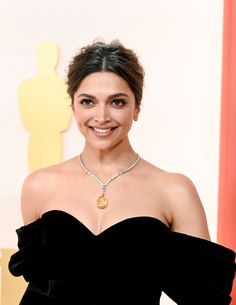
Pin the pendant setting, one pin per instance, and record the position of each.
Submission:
(102, 202)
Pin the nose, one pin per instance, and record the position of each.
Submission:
(102, 114)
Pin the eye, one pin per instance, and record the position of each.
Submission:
(87, 102)
(118, 102)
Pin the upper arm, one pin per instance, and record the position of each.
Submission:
(187, 212)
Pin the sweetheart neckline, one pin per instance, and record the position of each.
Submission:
(112, 226)
(36, 222)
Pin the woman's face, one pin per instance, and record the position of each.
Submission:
(104, 108)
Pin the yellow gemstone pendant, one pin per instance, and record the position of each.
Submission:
(102, 202)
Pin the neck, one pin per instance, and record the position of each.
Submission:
(104, 163)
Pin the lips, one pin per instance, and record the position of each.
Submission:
(102, 131)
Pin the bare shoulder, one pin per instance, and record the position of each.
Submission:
(38, 187)
(184, 210)
(187, 211)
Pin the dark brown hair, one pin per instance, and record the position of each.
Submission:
(111, 57)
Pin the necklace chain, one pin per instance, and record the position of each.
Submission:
(103, 200)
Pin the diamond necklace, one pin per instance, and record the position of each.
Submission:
(102, 201)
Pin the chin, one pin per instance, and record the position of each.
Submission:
(104, 145)
(103, 148)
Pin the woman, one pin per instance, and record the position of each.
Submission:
(107, 227)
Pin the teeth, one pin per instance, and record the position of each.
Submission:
(102, 130)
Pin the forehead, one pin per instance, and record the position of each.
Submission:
(104, 82)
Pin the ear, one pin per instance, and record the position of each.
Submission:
(72, 105)
(136, 113)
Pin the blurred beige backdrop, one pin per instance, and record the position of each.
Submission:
(180, 46)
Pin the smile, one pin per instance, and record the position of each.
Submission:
(102, 131)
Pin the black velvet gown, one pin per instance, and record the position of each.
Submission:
(130, 263)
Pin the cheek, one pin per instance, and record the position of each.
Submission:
(79, 120)
(80, 116)
(128, 116)
(125, 119)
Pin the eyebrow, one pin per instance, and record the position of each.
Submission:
(109, 97)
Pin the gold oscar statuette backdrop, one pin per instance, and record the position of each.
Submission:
(45, 111)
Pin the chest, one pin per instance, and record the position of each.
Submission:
(126, 197)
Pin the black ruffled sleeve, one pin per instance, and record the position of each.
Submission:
(29, 260)
(198, 271)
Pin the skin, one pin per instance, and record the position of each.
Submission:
(105, 101)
